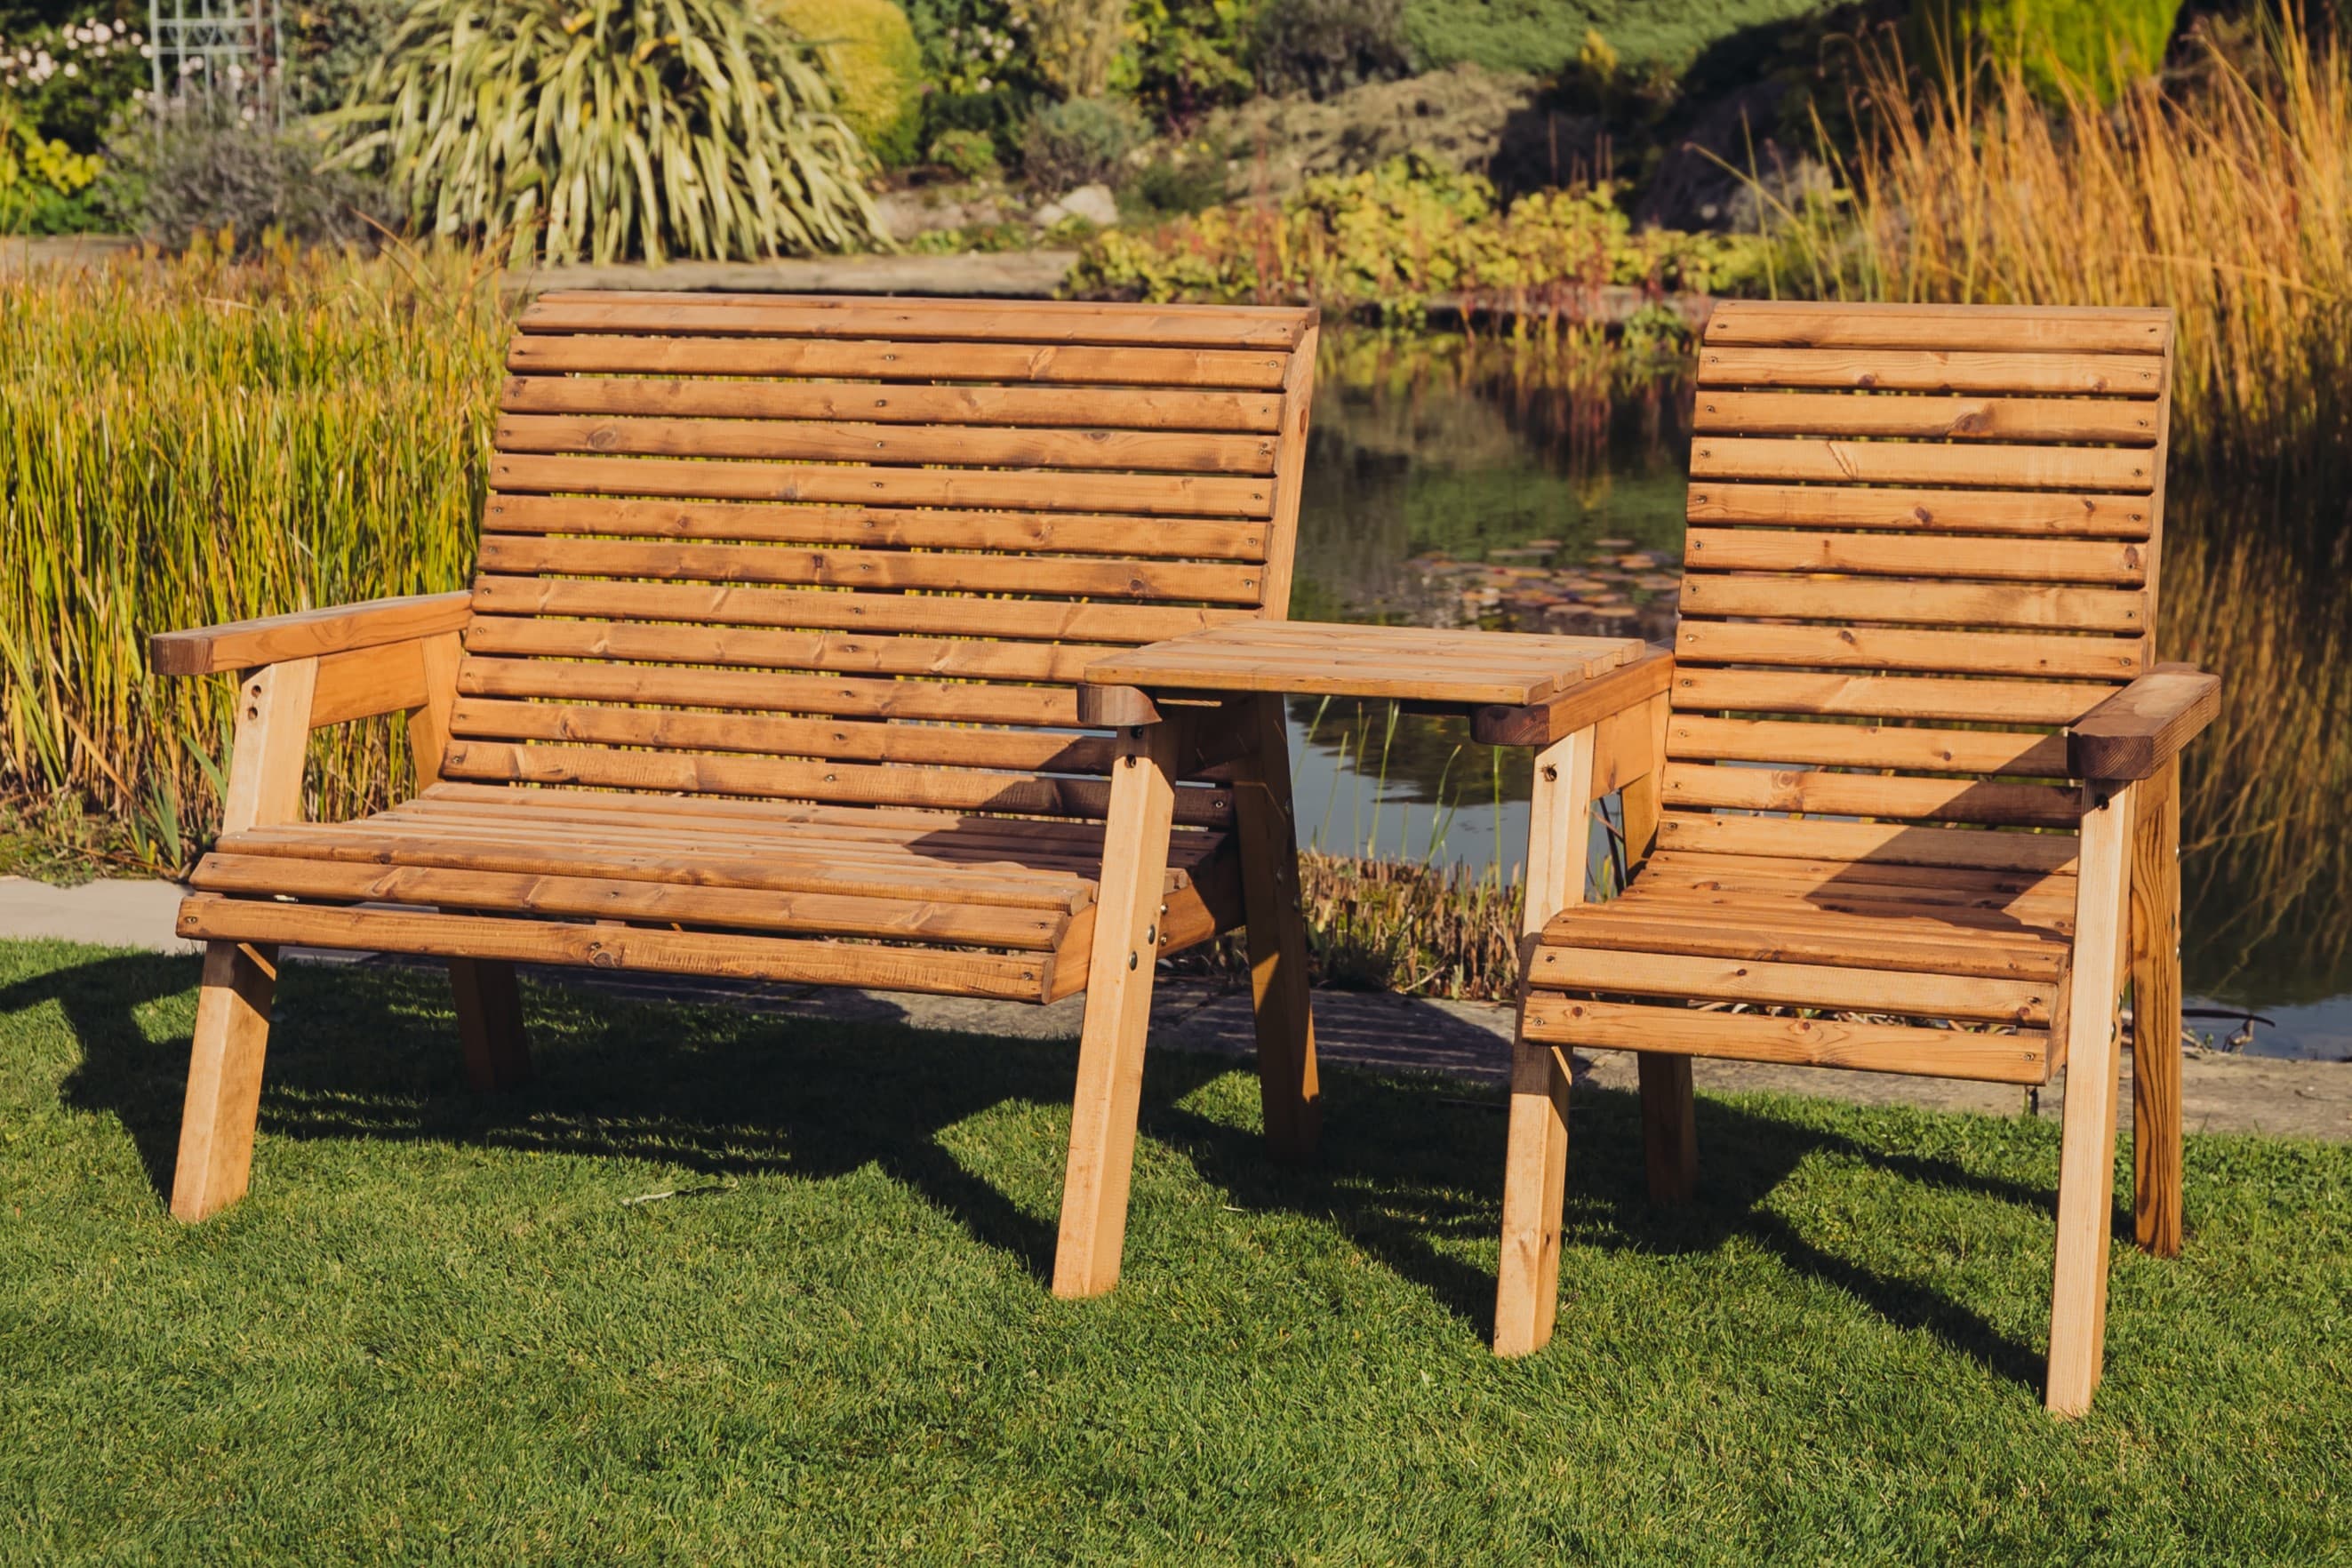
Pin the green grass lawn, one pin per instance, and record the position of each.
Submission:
(436, 1331)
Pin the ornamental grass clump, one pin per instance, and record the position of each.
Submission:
(611, 129)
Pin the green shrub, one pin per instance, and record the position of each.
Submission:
(221, 176)
(2097, 44)
(1542, 35)
(968, 152)
(1394, 236)
(329, 44)
(1323, 47)
(45, 185)
(872, 54)
(1073, 43)
(1078, 142)
(1189, 56)
(700, 129)
(68, 78)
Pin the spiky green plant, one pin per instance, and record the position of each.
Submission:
(605, 129)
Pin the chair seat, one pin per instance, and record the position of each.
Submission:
(929, 901)
(1858, 965)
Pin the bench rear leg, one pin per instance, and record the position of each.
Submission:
(1279, 997)
(489, 1023)
(1118, 1011)
(215, 1158)
(2155, 1015)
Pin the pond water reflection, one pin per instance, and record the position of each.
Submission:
(1540, 488)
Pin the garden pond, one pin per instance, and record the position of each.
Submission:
(1539, 487)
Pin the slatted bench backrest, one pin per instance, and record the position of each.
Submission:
(858, 551)
(1922, 539)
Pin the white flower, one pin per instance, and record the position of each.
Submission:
(72, 69)
(146, 51)
(102, 32)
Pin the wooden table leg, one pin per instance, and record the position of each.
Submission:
(1279, 997)
(1535, 1188)
(2155, 1015)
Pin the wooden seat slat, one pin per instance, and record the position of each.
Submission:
(515, 555)
(1940, 328)
(2052, 654)
(2058, 885)
(888, 446)
(2023, 1056)
(1697, 736)
(749, 815)
(839, 403)
(2024, 420)
(1986, 700)
(862, 317)
(1885, 462)
(1898, 843)
(854, 484)
(1795, 984)
(2039, 561)
(1734, 788)
(1855, 942)
(1043, 534)
(1011, 619)
(2049, 902)
(1971, 605)
(888, 361)
(1937, 370)
(2045, 513)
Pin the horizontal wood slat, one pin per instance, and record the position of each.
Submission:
(1792, 984)
(2019, 1058)
(1035, 364)
(841, 740)
(1921, 604)
(1107, 408)
(1983, 701)
(511, 554)
(1903, 844)
(888, 446)
(1954, 371)
(535, 893)
(880, 526)
(214, 918)
(849, 652)
(1921, 463)
(1036, 619)
(1695, 736)
(956, 789)
(1692, 785)
(1907, 648)
(974, 702)
(1928, 419)
(2054, 514)
(1891, 556)
(846, 484)
(1762, 323)
(922, 321)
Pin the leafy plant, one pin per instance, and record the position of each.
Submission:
(967, 153)
(1079, 143)
(43, 182)
(68, 79)
(871, 51)
(215, 173)
(1189, 56)
(2094, 44)
(1323, 47)
(1073, 42)
(622, 127)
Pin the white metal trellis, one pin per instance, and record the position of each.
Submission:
(218, 55)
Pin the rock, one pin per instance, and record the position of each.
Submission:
(1092, 203)
(906, 214)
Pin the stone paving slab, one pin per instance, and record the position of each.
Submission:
(1468, 1040)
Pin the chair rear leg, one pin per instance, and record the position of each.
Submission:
(1281, 1008)
(489, 1023)
(1669, 1126)
(2156, 1016)
(223, 1100)
(1535, 1185)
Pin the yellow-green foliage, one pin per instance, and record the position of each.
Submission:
(194, 441)
(1396, 236)
(2096, 44)
(35, 168)
(871, 51)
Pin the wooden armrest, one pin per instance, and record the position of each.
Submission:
(243, 645)
(2144, 726)
(1578, 708)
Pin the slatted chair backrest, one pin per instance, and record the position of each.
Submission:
(858, 551)
(1922, 539)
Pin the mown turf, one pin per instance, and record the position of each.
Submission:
(436, 1332)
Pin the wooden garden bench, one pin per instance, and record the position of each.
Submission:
(770, 671)
(1910, 800)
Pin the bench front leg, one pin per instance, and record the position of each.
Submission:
(1127, 911)
(1266, 823)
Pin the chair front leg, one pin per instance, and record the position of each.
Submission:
(1128, 911)
(2155, 1015)
(1280, 1001)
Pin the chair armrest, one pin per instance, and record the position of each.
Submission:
(2135, 733)
(305, 634)
(1580, 707)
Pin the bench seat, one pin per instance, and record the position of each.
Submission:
(916, 899)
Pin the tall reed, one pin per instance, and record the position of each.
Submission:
(197, 440)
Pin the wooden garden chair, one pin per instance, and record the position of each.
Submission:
(770, 671)
(1910, 801)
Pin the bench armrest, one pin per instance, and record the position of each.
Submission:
(2135, 733)
(1602, 696)
(305, 634)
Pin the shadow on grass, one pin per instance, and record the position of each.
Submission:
(1409, 1172)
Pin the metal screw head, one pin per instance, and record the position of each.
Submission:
(1131, 961)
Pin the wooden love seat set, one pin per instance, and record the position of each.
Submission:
(940, 646)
